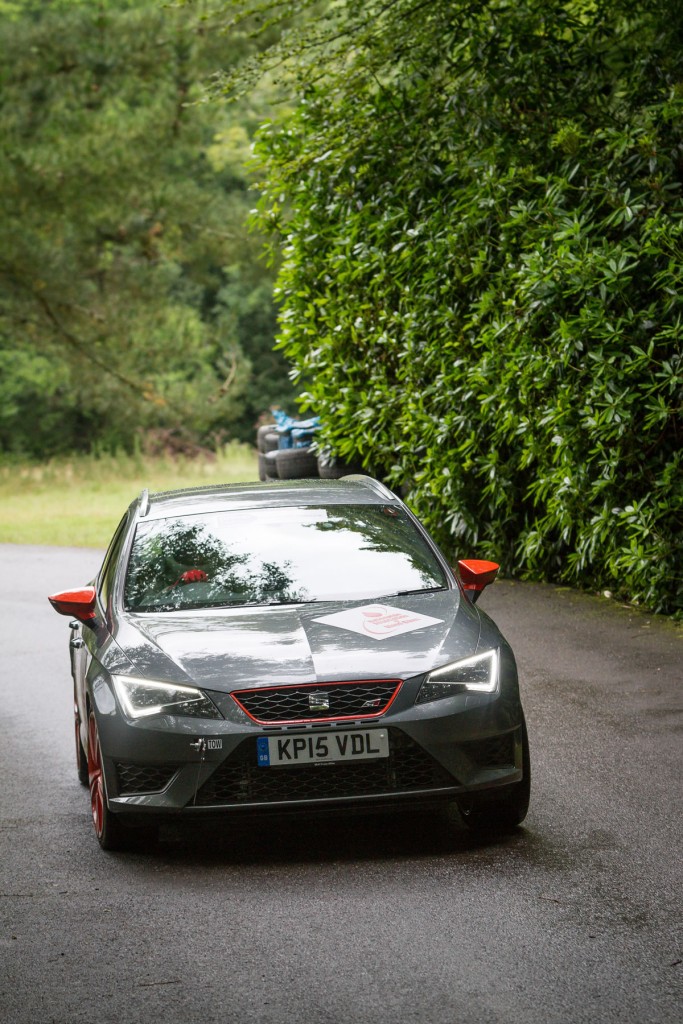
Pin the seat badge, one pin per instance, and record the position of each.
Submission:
(318, 701)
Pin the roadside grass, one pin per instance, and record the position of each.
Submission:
(78, 502)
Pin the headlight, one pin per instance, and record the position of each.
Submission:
(140, 698)
(478, 674)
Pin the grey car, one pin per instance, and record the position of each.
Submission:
(288, 646)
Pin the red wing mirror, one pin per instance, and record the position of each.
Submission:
(80, 604)
(475, 574)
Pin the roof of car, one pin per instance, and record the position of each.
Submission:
(350, 490)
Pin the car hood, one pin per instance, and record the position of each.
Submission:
(225, 650)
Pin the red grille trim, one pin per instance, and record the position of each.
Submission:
(264, 690)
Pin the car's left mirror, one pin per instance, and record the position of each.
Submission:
(475, 574)
(78, 603)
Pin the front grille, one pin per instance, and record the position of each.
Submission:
(240, 780)
(496, 752)
(143, 778)
(321, 702)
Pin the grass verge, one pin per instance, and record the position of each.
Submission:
(78, 502)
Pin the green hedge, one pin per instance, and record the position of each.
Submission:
(481, 285)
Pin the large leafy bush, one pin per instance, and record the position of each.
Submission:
(480, 207)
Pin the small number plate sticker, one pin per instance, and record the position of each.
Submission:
(318, 747)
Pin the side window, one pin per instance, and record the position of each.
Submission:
(106, 577)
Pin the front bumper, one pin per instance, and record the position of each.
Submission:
(436, 752)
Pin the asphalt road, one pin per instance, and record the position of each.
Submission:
(408, 919)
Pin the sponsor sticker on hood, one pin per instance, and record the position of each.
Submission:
(378, 621)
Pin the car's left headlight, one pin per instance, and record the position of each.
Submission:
(141, 697)
(478, 674)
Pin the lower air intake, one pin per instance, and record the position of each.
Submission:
(239, 779)
(496, 752)
(143, 778)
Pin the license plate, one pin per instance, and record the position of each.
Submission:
(319, 747)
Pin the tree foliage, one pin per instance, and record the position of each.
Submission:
(479, 207)
(130, 292)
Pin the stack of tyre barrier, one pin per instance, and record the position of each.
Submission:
(285, 452)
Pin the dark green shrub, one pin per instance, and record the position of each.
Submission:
(481, 284)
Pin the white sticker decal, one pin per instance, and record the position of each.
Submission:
(378, 621)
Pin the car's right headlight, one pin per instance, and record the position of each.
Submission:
(478, 674)
(142, 697)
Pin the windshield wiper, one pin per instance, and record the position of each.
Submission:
(409, 593)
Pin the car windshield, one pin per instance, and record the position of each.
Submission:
(282, 555)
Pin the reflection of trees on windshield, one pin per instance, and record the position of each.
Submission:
(278, 555)
(174, 565)
(387, 530)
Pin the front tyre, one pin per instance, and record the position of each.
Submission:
(111, 833)
(500, 813)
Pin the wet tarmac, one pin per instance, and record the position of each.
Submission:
(575, 917)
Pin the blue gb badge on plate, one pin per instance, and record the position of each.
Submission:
(262, 753)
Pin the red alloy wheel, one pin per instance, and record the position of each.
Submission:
(95, 779)
(111, 833)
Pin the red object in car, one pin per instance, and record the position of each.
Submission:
(193, 576)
